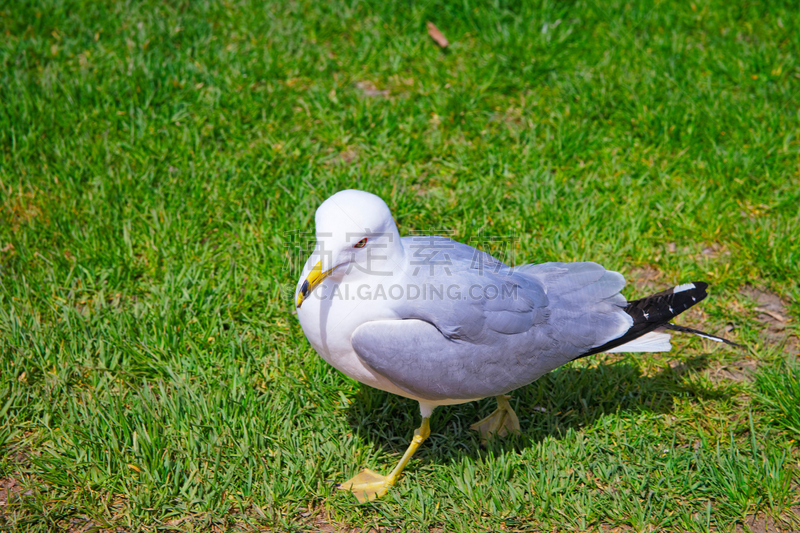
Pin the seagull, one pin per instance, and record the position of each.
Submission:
(443, 323)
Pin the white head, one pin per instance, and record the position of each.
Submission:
(355, 232)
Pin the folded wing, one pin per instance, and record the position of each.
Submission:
(470, 347)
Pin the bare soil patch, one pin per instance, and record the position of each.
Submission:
(369, 89)
(740, 371)
(772, 312)
(771, 309)
(10, 490)
(788, 522)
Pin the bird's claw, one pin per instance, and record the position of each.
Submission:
(500, 423)
(367, 485)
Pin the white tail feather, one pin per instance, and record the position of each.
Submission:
(650, 342)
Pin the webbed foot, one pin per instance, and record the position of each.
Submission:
(501, 422)
(367, 485)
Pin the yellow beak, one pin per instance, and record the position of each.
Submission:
(314, 278)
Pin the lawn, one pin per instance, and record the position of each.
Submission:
(160, 165)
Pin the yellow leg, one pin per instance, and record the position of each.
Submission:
(368, 485)
(501, 422)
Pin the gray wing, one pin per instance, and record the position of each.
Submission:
(416, 357)
(471, 347)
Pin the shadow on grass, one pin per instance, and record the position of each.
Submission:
(569, 398)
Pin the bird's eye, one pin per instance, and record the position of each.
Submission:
(361, 243)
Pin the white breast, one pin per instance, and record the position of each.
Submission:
(332, 312)
(330, 315)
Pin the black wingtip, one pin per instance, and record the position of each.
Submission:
(701, 287)
(657, 310)
(696, 289)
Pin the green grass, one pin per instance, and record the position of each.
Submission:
(779, 389)
(160, 164)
